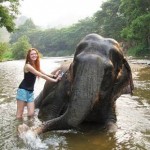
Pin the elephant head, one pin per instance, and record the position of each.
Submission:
(89, 88)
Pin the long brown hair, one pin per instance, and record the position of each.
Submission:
(36, 65)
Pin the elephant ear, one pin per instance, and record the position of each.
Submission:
(131, 85)
(123, 82)
(116, 57)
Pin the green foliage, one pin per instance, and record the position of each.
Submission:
(110, 20)
(7, 55)
(126, 33)
(137, 30)
(20, 48)
(4, 48)
(132, 9)
(140, 30)
(55, 41)
(8, 12)
(24, 29)
(139, 51)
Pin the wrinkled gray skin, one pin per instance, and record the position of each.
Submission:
(88, 90)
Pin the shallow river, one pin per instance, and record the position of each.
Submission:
(133, 114)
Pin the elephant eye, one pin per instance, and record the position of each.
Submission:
(81, 47)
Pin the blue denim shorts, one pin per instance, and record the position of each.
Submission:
(25, 95)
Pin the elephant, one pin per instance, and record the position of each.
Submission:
(92, 82)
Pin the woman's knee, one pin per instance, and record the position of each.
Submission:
(20, 109)
(30, 107)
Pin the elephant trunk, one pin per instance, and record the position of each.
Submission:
(85, 89)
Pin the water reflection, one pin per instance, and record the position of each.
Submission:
(132, 113)
(142, 84)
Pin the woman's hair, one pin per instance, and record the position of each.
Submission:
(36, 65)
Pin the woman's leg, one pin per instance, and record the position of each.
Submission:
(20, 109)
(30, 108)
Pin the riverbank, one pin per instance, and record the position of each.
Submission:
(137, 64)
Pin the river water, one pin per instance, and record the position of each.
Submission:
(133, 114)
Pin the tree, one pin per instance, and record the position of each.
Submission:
(8, 12)
(24, 29)
(137, 31)
(110, 20)
(3, 48)
(20, 48)
(64, 40)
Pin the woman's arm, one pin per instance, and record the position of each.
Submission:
(54, 74)
(49, 75)
(30, 68)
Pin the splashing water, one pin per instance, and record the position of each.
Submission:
(32, 141)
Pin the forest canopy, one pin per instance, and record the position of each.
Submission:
(8, 12)
(124, 20)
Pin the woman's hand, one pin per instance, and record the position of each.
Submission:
(57, 73)
(59, 77)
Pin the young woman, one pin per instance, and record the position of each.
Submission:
(25, 91)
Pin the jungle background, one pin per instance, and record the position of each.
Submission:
(124, 20)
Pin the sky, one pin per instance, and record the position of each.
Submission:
(55, 13)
